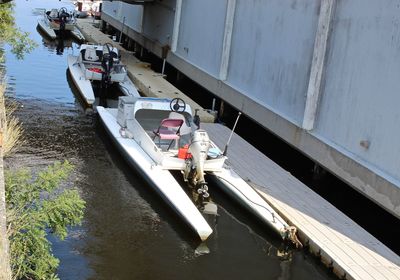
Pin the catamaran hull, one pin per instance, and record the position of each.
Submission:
(67, 26)
(84, 86)
(246, 195)
(162, 180)
(77, 35)
(128, 88)
(46, 28)
(51, 31)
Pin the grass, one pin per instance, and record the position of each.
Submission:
(9, 124)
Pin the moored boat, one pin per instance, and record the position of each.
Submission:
(158, 136)
(59, 22)
(121, 126)
(101, 65)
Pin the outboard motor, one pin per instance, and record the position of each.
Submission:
(196, 118)
(199, 151)
(107, 63)
(62, 17)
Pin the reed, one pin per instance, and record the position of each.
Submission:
(12, 129)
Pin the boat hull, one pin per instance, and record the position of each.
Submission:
(247, 196)
(77, 35)
(51, 32)
(46, 28)
(84, 86)
(67, 26)
(128, 88)
(162, 180)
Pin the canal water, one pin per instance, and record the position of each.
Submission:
(128, 231)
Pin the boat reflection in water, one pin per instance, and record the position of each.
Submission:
(58, 44)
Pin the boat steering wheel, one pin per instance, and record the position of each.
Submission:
(177, 105)
(63, 12)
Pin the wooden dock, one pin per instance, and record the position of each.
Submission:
(343, 245)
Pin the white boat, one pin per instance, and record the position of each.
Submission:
(55, 21)
(158, 136)
(99, 64)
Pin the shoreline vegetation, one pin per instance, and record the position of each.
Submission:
(5, 271)
(9, 132)
(31, 205)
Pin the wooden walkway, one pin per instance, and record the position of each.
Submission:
(343, 245)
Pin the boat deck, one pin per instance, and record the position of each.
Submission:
(343, 245)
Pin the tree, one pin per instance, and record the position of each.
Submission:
(35, 207)
(19, 41)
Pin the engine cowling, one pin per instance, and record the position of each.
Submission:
(199, 150)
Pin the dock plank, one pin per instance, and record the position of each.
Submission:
(342, 242)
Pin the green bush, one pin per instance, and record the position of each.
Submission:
(36, 206)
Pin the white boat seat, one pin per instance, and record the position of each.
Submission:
(90, 54)
(185, 129)
(112, 53)
(53, 13)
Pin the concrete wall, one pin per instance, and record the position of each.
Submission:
(118, 10)
(159, 20)
(360, 100)
(274, 60)
(150, 25)
(201, 34)
(272, 46)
